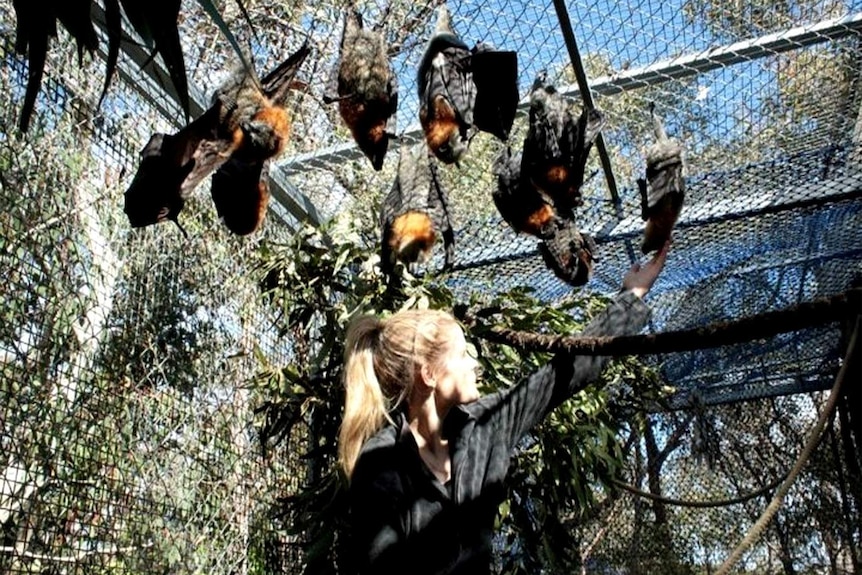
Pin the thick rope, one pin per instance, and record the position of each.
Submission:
(774, 505)
(699, 504)
(801, 316)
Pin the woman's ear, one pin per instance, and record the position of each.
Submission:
(427, 377)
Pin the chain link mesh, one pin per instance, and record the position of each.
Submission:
(127, 436)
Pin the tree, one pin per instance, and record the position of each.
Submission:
(557, 473)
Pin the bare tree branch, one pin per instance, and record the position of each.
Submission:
(801, 316)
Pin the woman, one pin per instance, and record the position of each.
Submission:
(426, 456)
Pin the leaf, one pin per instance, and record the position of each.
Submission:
(216, 17)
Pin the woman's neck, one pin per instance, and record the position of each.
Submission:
(426, 424)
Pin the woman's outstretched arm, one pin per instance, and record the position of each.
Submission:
(518, 409)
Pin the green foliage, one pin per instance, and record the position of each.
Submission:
(561, 470)
(556, 476)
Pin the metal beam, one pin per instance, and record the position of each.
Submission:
(723, 56)
(761, 387)
(587, 97)
(652, 75)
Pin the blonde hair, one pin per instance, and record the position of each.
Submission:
(381, 358)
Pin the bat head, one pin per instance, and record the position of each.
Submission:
(443, 131)
(412, 236)
(265, 135)
(568, 252)
(451, 150)
(585, 255)
(374, 143)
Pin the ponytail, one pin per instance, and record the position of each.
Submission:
(365, 407)
(380, 360)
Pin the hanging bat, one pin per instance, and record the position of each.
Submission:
(157, 192)
(663, 191)
(415, 211)
(565, 250)
(366, 87)
(463, 90)
(252, 116)
(520, 204)
(246, 124)
(447, 93)
(557, 145)
(568, 252)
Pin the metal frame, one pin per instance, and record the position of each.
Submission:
(652, 75)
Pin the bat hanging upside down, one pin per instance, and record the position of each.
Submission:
(663, 191)
(366, 88)
(564, 249)
(245, 126)
(463, 90)
(415, 211)
(557, 145)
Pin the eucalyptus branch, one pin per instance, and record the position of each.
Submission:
(804, 315)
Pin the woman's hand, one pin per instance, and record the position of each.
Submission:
(639, 278)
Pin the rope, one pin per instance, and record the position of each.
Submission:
(774, 505)
(699, 504)
(801, 316)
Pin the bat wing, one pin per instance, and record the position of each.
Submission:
(520, 203)
(156, 24)
(441, 216)
(495, 74)
(457, 84)
(665, 172)
(576, 144)
(34, 24)
(448, 44)
(154, 194)
(277, 82)
(544, 163)
(392, 88)
(240, 193)
(171, 166)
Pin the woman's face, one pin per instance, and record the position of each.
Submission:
(455, 376)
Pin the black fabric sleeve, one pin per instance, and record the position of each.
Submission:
(519, 408)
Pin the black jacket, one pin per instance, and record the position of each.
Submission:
(403, 520)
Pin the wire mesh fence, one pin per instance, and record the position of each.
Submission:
(128, 433)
